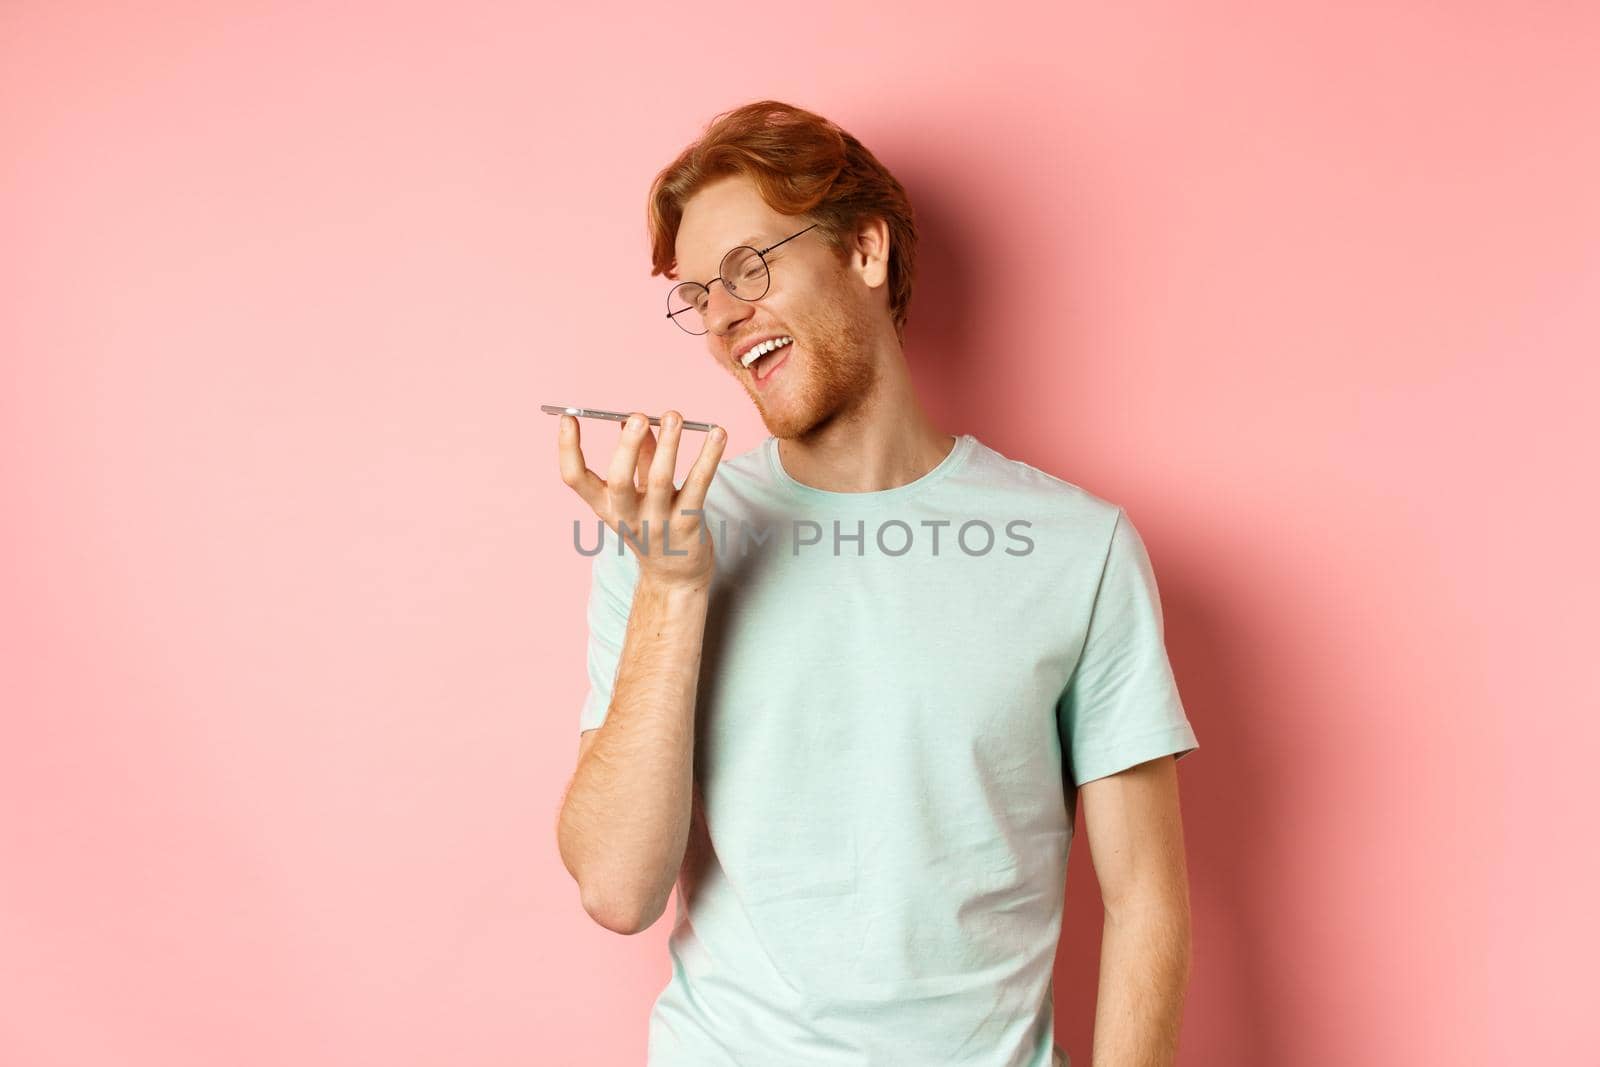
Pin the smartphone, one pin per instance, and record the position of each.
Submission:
(616, 416)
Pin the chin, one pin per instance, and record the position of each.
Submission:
(793, 423)
(786, 423)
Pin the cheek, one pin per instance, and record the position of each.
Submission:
(798, 303)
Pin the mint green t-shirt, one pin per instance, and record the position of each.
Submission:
(900, 692)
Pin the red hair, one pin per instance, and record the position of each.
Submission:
(801, 164)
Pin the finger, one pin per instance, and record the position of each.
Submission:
(585, 482)
(698, 482)
(620, 490)
(660, 490)
(647, 451)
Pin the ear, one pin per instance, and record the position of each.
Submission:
(869, 251)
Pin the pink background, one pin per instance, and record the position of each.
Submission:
(293, 633)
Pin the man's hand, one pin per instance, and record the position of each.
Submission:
(638, 491)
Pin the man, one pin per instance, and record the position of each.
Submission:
(850, 709)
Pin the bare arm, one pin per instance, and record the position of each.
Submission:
(1136, 839)
(624, 821)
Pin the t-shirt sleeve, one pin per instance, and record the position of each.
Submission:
(611, 583)
(1121, 705)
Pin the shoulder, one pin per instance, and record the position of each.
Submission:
(1037, 493)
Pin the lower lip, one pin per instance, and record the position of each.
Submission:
(762, 383)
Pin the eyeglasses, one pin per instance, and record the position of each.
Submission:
(744, 274)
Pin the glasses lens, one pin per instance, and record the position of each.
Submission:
(686, 304)
(745, 273)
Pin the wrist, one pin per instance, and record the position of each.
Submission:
(673, 588)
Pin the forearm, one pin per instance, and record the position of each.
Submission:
(625, 821)
(1144, 975)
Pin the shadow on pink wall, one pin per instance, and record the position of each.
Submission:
(965, 301)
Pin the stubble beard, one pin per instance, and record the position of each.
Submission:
(831, 381)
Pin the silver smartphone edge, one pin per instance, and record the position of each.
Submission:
(617, 416)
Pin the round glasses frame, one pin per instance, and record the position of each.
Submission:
(761, 254)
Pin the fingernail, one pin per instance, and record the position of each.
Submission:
(669, 421)
(717, 435)
(634, 422)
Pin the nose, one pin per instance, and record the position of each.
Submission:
(724, 311)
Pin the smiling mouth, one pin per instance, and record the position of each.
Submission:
(768, 365)
(758, 351)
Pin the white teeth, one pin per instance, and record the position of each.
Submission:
(762, 349)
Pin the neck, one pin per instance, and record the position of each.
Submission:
(884, 441)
